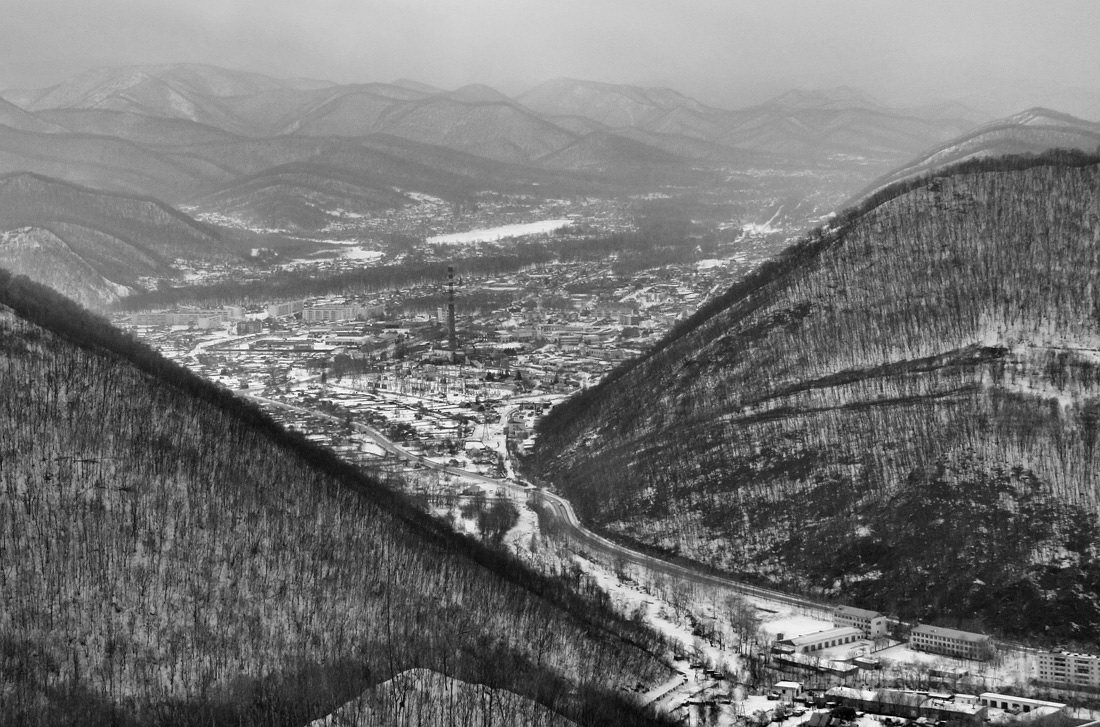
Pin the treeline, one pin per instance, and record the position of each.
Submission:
(954, 321)
(171, 556)
(665, 235)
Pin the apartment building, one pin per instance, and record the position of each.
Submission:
(1065, 668)
(871, 623)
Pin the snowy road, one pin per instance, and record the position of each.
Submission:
(562, 511)
(569, 525)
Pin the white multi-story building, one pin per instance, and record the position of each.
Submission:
(950, 642)
(871, 623)
(282, 310)
(323, 313)
(1069, 669)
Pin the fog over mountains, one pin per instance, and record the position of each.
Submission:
(532, 129)
(296, 154)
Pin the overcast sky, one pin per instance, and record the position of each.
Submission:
(1006, 54)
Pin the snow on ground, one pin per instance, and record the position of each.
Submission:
(350, 252)
(492, 234)
(710, 263)
(220, 220)
(344, 214)
(729, 706)
(421, 197)
(358, 253)
(753, 228)
(902, 653)
(791, 625)
(758, 229)
(630, 598)
(526, 528)
(336, 241)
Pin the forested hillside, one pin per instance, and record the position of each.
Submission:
(169, 555)
(902, 412)
(91, 245)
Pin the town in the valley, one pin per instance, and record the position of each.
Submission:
(438, 386)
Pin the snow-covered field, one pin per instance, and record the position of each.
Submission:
(358, 253)
(710, 263)
(350, 252)
(492, 234)
(791, 625)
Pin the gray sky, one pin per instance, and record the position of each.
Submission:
(1007, 54)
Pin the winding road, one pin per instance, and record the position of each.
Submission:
(562, 511)
(570, 526)
(564, 514)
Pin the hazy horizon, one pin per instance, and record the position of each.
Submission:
(998, 57)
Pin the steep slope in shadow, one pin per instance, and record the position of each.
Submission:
(173, 556)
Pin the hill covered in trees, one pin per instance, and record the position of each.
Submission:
(901, 412)
(170, 555)
(94, 246)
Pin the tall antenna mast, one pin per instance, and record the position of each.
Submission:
(451, 337)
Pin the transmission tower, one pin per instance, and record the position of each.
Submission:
(452, 338)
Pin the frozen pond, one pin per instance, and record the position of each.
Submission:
(491, 234)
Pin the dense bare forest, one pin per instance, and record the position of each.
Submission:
(902, 411)
(169, 555)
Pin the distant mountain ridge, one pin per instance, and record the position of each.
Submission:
(530, 129)
(1032, 131)
(254, 151)
(802, 125)
(15, 117)
(171, 88)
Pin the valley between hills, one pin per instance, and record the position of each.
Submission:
(389, 404)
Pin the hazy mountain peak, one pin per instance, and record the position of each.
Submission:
(613, 105)
(478, 93)
(123, 85)
(1041, 116)
(1032, 131)
(562, 89)
(15, 117)
(840, 97)
(417, 86)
